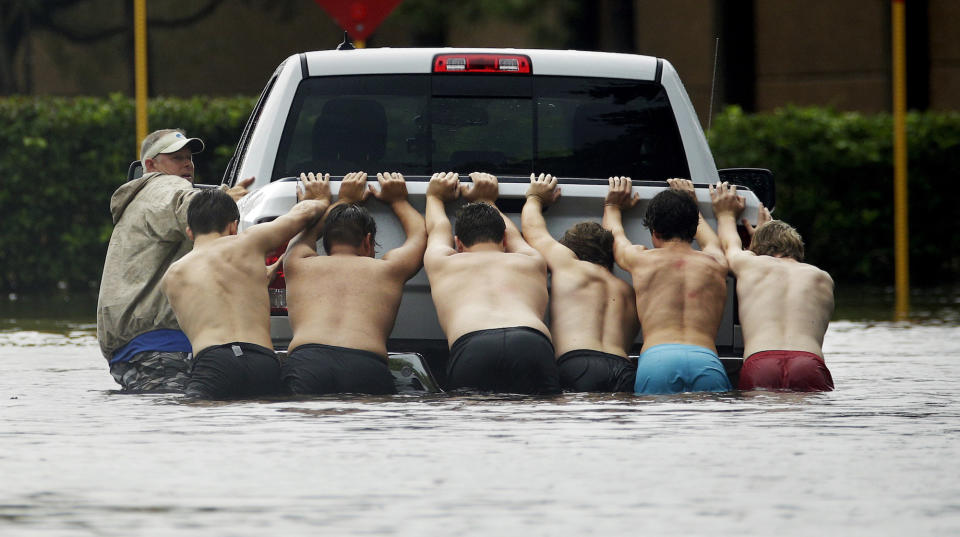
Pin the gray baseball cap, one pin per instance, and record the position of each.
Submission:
(171, 142)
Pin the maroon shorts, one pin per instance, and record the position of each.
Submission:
(785, 370)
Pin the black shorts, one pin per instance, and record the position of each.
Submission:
(317, 369)
(234, 370)
(505, 360)
(594, 371)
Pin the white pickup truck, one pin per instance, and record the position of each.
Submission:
(582, 116)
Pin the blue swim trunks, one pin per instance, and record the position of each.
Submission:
(676, 368)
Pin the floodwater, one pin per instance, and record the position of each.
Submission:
(878, 456)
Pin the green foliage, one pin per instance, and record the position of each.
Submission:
(61, 161)
(834, 179)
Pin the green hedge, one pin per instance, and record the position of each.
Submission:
(834, 180)
(62, 159)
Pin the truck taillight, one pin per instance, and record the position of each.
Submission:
(278, 287)
(481, 63)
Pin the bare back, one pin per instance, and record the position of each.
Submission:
(592, 309)
(784, 304)
(680, 296)
(219, 293)
(488, 289)
(343, 300)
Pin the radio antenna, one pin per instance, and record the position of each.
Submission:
(713, 83)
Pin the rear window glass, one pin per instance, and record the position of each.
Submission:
(603, 127)
(339, 125)
(418, 124)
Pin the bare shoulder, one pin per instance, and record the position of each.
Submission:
(638, 254)
(436, 259)
(618, 285)
(293, 264)
(740, 257)
(537, 262)
(182, 264)
(817, 273)
(615, 281)
(578, 271)
(177, 272)
(394, 268)
(173, 272)
(713, 259)
(745, 261)
(587, 269)
(482, 261)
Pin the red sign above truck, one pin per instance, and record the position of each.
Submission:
(359, 18)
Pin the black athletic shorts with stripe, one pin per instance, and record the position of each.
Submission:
(234, 370)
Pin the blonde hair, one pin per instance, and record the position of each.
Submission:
(778, 239)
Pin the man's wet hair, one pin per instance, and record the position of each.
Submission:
(211, 210)
(778, 239)
(479, 222)
(348, 224)
(590, 242)
(672, 215)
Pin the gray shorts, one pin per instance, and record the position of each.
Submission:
(154, 371)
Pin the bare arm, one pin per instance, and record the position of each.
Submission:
(705, 236)
(271, 235)
(314, 187)
(763, 216)
(408, 257)
(620, 197)
(543, 192)
(513, 241)
(727, 207)
(443, 187)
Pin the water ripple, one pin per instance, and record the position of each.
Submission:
(878, 456)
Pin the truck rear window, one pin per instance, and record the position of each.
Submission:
(419, 124)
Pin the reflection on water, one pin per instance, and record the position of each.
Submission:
(879, 456)
(863, 303)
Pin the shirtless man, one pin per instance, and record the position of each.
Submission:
(219, 292)
(680, 291)
(785, 304)
(490, 291)
(343, 305)
(593, 313)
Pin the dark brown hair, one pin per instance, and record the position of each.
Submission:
(590, 242)
(672, 215)
(210, 211)
(348, 224)
(479, 222)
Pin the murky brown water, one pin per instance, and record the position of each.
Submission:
(879, 456)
